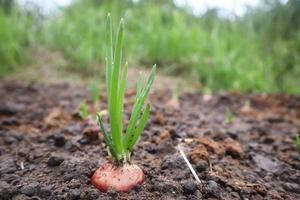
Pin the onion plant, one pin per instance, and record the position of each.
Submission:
(120, 144)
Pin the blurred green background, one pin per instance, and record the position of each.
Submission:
(258, 51)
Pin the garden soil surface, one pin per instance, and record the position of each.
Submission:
(241, 146)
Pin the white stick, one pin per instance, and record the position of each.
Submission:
(22, 165)
(189, 164)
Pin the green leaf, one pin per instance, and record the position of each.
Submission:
(114, 112)
(138, 87)
(137, 107)
(122, 92)
(139, 129)
(106, 136)
(109, 54)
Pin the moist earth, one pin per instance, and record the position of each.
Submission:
(241, 146)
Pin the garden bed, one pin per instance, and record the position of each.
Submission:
(242, 147)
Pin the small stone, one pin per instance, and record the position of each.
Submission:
(292, 187)
(54, 161)
(59, 140)
(84, 140)
(265, 163)
(201, 166)
(232, 134)
(212, 189)
(31, 189)
(189, 187)
(74, 194)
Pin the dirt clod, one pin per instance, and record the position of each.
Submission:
(54, 161)
(212, 189)
(201, 166)
(31, 189)
(199, 153)
(233, 148)
(212, 146)
(59, 140)
(189, 187)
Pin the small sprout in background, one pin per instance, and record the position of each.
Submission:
(174, 101)
(229, 117)
(246, 107)
(207, 95)
(83, 110)
(95, 91)
(121, 175)
(298, 142)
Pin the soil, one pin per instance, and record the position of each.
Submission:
(241, 146)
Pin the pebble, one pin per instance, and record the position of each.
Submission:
(265, 163)
(31, 189)
(212, 189)
(189, 187)
(201, 166)
(84, 140)
(232, 134)
(59, 140)
(54, 161)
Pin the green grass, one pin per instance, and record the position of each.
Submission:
(120, 145)
(221, 54)
(257, 52)
(14, 38)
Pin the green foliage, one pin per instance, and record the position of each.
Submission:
(120, 145)
(83, 110)
(256, 52)
(298, 142)
(223, 54)
(229, 117)
(13, 39)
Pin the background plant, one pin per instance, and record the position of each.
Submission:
(256, 52)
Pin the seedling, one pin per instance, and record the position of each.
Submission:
(298, 142)
(83, 110)
(120, 174)
(229, 117)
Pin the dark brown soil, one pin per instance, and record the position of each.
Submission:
(47, 152)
